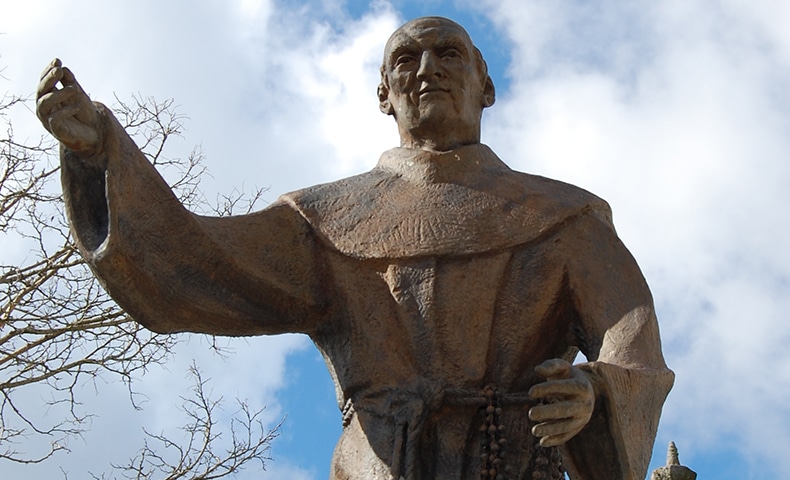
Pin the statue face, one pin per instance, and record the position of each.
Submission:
(432, 81)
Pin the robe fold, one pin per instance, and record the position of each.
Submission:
(422, 282)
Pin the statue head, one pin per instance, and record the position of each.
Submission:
(435, 83)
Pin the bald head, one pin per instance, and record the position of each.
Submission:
(435, 83)
(422, 23)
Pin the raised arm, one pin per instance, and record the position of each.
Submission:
(170, 269)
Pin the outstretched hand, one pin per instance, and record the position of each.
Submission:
(569, 398)
(67, 112)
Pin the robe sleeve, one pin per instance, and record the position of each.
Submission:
(618, 333)
(175, 271)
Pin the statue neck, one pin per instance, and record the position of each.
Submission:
(468, 163)
(450, 137)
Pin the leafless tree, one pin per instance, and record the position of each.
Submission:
(59, 329)
(198, 455)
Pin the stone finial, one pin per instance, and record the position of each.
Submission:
(673, 470)
(672, 454)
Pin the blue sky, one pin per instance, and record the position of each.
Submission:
(676, 112)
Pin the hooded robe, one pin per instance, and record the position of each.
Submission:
(432, 285)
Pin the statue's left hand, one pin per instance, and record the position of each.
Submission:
(570, 401)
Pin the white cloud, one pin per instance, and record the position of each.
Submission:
(691, 150)
(319, 82)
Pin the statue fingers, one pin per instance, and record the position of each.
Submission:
(87, 113)
(53, 101)
(69, 80)
(558, 411)
(74, 135)
(45, 105)
(554, 368)
(557, 440)
(55, 63)
(558, 428)
(568, 388)
(60, 122)
(48, 81)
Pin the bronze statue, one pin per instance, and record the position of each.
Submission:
(447, 292)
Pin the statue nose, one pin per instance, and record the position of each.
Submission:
(429, 66)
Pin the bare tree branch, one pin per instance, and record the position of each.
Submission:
(207, 452)
(58, 327)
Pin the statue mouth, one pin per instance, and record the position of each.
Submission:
(428, 93)
(432, 89)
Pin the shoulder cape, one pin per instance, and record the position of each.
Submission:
(417, 203)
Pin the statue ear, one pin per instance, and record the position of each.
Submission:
(489, 93)
(384, 101)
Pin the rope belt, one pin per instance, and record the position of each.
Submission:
(412, 407)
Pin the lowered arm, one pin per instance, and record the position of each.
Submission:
(618, 333)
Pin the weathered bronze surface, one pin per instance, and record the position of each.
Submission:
(447, 292)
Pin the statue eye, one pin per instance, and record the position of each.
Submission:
(450, 53)
(404, 59)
